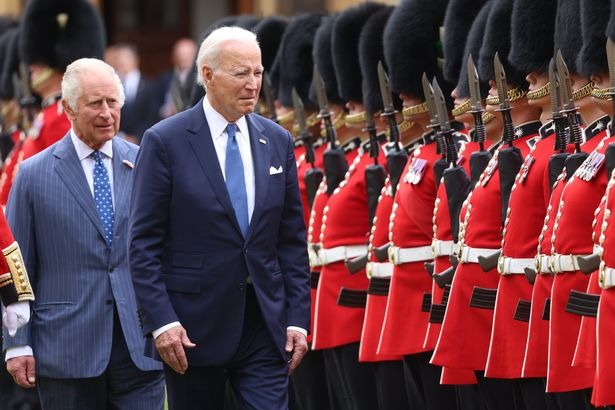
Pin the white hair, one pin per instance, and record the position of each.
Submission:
(209, 51)
(71, 86)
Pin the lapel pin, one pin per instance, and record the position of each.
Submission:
(262, 141)
(128, 164)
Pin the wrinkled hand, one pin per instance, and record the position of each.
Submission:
(15, 316)
(22, 370)
(170, 345)
(296, 347)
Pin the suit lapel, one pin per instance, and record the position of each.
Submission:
(70, 170)
(261, 161)
(121, 183)
(203, 146)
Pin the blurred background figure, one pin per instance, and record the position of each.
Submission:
(174, 84)
(142, 102)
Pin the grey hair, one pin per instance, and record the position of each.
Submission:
(209, 51)
(71, 87)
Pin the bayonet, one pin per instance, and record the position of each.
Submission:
(445, 127)
(27, 100)
(389, 109)
(476, 104)
(610, 55)
(569, 108)
(561, 138)
(269, 98)
(370, 128)
(323, 106)
(304, 133)
(430, 101)
(501, 83)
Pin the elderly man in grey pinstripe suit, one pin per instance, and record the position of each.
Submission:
(68, 209)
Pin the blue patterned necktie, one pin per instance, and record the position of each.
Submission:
(102, 196)
(235, 180)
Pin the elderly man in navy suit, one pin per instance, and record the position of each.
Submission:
(217, 239)
(69, 211)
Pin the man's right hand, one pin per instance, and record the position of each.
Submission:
(22, 370)
(170, 345)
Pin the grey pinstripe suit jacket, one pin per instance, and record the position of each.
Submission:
(74, 274)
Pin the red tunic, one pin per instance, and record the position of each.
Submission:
(603, 392)
(405, 324)
(527, 209)
(302, 167)
(50, 125)
(376, 302)
(464, 338)
(345, 223)
(576, 209)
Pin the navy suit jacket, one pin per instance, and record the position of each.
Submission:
(187, 255)
(76, 277)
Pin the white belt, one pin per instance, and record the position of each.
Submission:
(606, 278)
(313, 256)
(443, 248)
(514, 266)
(564, 263)
(341, 253)
(379, 269)
(541, 263)
(398, 256)
(470, 255)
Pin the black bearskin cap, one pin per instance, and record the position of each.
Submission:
(610, 27)
(294, 58)
(592, 57)
(269, 32)
(497, 39)
(473, 47)
(58, 32)
(412, 46)
(457, 22)
(370, 53)
(567, 37)
(9, 60)
(531, 43)
(323, 59)
(346, 31)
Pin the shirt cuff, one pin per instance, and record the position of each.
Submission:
(17, 351)
(162, 329)
(298, 329)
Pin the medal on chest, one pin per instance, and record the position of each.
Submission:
(590, 167)
(525, 168)
(415, 171)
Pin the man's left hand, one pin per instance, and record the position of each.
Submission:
(296, 347)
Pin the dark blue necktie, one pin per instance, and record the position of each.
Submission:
(235, 180)
(102, 196)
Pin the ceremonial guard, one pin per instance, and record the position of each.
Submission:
(466, 329)
(413, 30)
(527, 206)
(340, 298)
(53, 34)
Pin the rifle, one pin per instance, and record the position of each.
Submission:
(610, 55)
(557, 160)
(478, 159)
(574, 161)
(375, 174)
(313, 176)
(456, 181)
(397, 157)
(27, 102)
(334, 159)
(269, 98)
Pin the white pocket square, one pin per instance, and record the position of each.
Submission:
(274, 170)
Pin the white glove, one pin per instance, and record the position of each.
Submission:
(15, 316)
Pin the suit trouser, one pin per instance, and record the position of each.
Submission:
(257, 372)
(309, 383)
(423, 386)
(121, 386)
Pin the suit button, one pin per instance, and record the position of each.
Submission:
(109, 302)
(241, 286)
(111, 270)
